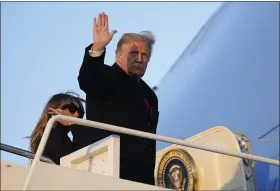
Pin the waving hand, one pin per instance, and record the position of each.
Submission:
(101, 35)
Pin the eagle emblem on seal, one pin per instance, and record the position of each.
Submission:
(176, 170)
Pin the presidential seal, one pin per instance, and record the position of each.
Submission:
(176, 170)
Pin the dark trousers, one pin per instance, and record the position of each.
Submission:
(137, 172)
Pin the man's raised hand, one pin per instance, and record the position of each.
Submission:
(101, 35)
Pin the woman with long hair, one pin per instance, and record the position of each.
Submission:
(58, 144)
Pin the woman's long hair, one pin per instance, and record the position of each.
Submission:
(57, 101)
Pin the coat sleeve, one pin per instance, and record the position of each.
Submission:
(94, 76)
(58, 144)
(81, 136)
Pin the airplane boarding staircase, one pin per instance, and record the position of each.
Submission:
(226, 163)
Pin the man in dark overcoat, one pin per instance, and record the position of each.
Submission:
(117, 95)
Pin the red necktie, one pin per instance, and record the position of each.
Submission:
(147, 105)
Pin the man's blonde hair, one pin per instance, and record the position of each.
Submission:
(144, 36)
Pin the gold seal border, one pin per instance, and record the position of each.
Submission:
(186, 159)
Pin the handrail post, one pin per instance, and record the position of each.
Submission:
(40, 149)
